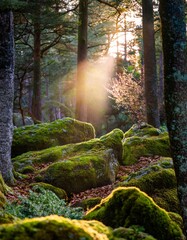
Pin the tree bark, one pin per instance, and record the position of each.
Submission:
(174, 49)
(81, 105)
(36, 98)
(6, 93)
(150, 75)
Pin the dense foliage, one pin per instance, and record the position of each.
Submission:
(40, 203)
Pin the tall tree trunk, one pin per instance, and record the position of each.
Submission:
(81, 103)
(174, 49)
(6, 93)
(161, 90)
(150, 75)
(36, 98)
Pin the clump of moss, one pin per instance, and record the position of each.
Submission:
(125, 207)
(3, 187)
(135, 232)
(19, 175)
(142, 129)
(45, 135)
(2, 200)
(114, 140)
(6, 218)
(27, 169)
(3, 190)
(176, 218)
(26, 161)
(146, 141)
(54, 227)
(61, 194)
(88, 203)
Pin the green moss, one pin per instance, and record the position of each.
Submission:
(131, 233)
(163, 163)
(6, 218)
(27, 169)
(125, 207)
(159, 182)
(45, 135)
(3, 190)
(54, 227)
(176, 218)
(2, 200)
(19, 176)
(3, 187)
(76, 167)
(58, 191)
(142, 129)
(167, 199)
(114, 140)
(134, 147)
(92, 147)
(29, 159)
(80, 173)
(149, 181)
(88, 203)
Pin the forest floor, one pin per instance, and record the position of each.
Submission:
(22, 187)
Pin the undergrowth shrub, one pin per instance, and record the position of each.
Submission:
(128, 94)
(42, 203)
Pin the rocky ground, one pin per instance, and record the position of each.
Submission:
(106, 190)
(22, 187)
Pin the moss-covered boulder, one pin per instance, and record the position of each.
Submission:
(126, 207)
(159, 182)
(82, 172)
(77, 167)
(58, 228)
(144, 140)
(54, 227)
(45, 135)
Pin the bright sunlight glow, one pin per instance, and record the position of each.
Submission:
(124, 34)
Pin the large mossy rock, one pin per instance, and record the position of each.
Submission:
(126, 207)
(60, 228)
(159, 182)
(55, 228)
(45, 135)
(77, 167)
(144, 140)
(86, 165)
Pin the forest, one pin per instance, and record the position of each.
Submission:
(93, 123)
